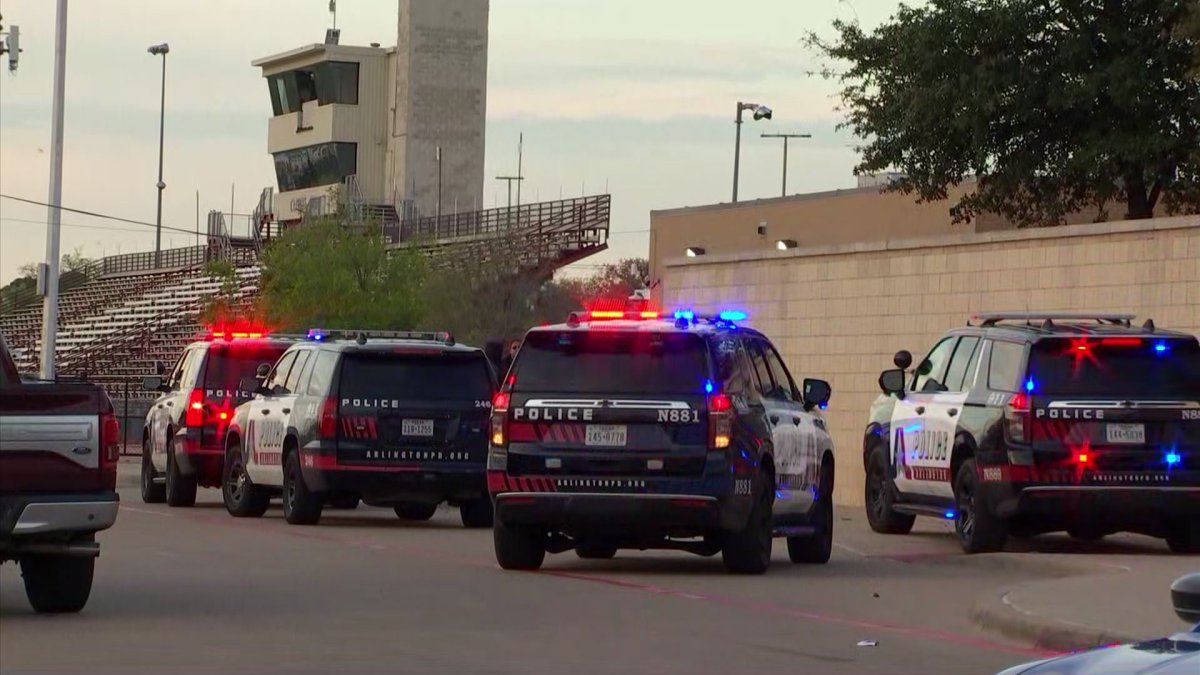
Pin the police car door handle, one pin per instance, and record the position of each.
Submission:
(796, 421)
(774, 419)
(952, 412)
(266, 412)
(920, 410)
(286, 411)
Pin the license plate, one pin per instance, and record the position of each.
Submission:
(610, 435)
(416, 428)
(1126, 434)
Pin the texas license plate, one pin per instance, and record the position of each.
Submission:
(1126, 434)
(609, 435)
(417, 428)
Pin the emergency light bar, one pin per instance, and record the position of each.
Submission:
(361, 336)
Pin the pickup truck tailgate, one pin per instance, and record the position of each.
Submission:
(52, 439)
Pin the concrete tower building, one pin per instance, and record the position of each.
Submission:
(381, 115)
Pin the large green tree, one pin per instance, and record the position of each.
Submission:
(324, 274)
(1056, 106)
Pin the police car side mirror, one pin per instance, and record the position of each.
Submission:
(902, 359)
(251, 384)
(892, 382)
(160, 368)
(816, 393)
(1185, 595)
(263, 370)
(153, 383)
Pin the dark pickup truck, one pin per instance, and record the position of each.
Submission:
(59, 445)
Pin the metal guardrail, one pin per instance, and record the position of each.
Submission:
(542, 217)
(172, 258)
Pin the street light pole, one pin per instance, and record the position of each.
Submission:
(439, 192)
(761, 112)
(785, 138)
(160, 50)
(54, 220)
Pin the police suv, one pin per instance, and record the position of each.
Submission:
(620, 430)
(395, 419)
(1034, 422)
(183, 438)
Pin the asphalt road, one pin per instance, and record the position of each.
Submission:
(195, 591)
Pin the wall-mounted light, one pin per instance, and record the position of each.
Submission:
(694, 251)
(786, 244)
(762, 228)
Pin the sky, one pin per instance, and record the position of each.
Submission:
(632, 97)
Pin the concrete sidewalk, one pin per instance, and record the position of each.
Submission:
(1111, 598)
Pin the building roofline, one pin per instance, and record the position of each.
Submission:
(314, 49)
(769, 201)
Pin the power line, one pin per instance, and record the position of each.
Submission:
(108, 228)
(97, 215)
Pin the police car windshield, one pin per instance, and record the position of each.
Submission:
(612, 362)
(1125, 367)
(447, 376)
(228, 364)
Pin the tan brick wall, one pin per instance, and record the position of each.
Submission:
(841, 312)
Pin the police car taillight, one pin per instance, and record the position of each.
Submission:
(1017, 418)
(720, 421)
(327, 422)
(193, 415)
(500, 403)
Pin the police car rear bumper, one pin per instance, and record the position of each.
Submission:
(194, 458)
(1149, 505)
(608, 513)
(384, 484)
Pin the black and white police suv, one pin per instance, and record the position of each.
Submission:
(622, 430)
(395, 419)
(1032, 422)
(183, 438)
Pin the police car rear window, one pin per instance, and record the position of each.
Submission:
(446, 377)
(612, 362)
(1116, 366)
(226, 365)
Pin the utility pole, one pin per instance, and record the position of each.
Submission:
(520, 157)
(54, 221)
(160, 50)
(439, 190)
(785, 138)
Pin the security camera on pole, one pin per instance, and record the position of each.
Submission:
(761, 112)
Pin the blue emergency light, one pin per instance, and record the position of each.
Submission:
(732, 315)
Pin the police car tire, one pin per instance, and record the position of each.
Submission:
(988, 532)
(152, 492)
(300, 505)
(418, 511)
(254, 500)
(816, 548)
(181, 490)
(518, 548)
(476, 513)
(880, 515)
(1184, 538)
(58, 584)
(748, 550)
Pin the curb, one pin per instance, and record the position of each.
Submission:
(994, 611)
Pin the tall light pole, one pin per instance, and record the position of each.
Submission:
(160, 50)
(785, 138)
(54, 220)
(761, 112)
(439, 191)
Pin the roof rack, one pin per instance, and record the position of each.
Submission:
(992, 318)
(361, 336)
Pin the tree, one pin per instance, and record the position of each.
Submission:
(617, 281)
(1056, 106)
(323, 274)
(220, 307)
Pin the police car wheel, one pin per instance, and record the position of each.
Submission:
(880, 496)
(300, 506)
(816, 548)
(1184, 538)
(415, 511)
(476, 512)
(518, 548)
(748, 550)
(152, 492)
(243, 499)
(978, 529)
(594, 551)
(181, 490)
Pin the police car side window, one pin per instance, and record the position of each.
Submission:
(322, 373)
(177, 372)
(1004, 371)
(784, 386)
(191, 372)
(962, 365)
(758, 358)
(932, 371)
(733, 374)
(279, 375)
(299, 369)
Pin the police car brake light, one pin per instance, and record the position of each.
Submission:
(193, 415)
(501, 401)
(719, 403)
(1017, 417)
(720, 421)
(327, 422)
